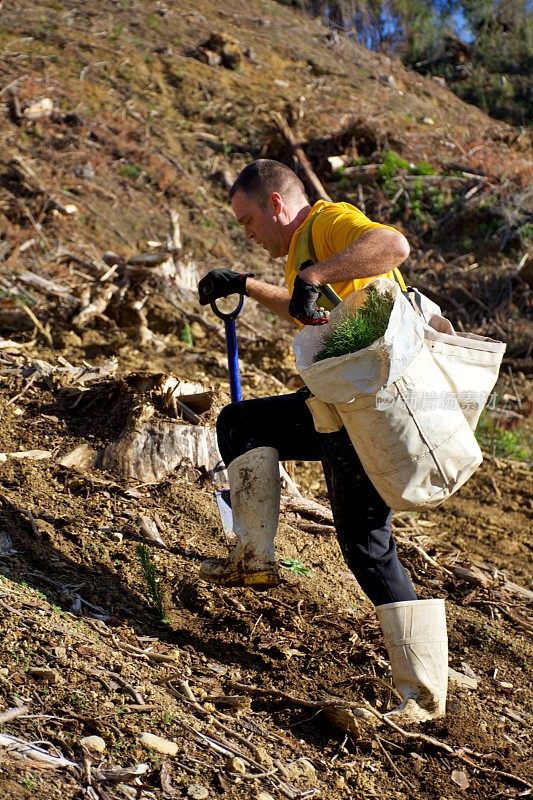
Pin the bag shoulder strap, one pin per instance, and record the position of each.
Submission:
(305, 250)
(306, 255)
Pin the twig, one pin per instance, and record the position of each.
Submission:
(188, 694)
(28, 385)
(33, 455)
(138, 698)
(226, 748)
(13, 84)
(420, 550)
(144, 655)
(38, 324)
(289, 482)
(44, 286)
(525, 624)
(10, 609)
(495, 486)
(307, 508)
(37, 755)
(393, 765)
(29, 215)
(476, 575)
(315, 527)
(276, 694)
(31, 520)
(217, 330)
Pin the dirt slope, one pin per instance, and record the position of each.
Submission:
(84, 650)
(240, 681)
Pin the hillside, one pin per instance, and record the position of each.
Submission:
(122, 125)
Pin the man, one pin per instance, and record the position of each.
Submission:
(348, 251)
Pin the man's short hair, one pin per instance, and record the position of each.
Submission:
(264, 176)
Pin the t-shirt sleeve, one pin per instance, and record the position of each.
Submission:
(334, 230)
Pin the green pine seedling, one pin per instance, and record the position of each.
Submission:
(356, 331)
(297, 567)
(150, 576)
(186, 334)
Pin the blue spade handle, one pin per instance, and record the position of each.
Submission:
(232, 348)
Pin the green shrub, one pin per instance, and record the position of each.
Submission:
(526, 231)
(422, 168)
(392, 164)
(356, 331)
(500, 442)
(130, 171)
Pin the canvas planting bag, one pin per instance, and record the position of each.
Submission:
(400, 398)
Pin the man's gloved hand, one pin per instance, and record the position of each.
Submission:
(303, 303)
(221, 283)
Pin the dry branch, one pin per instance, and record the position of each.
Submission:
(299, 154)
(13, 713)
(478, 574)
(37, 756)
(47, 287)
(306, 508)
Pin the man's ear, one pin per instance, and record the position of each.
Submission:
(277, 203)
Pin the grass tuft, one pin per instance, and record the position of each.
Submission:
(356, 331)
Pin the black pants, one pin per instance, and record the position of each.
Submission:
(362, 519)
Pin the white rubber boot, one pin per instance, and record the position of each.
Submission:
(255, 488)
(417, 644)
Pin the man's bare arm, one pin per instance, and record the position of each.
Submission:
(377, 251)
(275, 298)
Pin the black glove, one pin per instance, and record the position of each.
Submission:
(303, 303)
(221, 283)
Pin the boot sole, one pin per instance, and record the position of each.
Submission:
(260, 580)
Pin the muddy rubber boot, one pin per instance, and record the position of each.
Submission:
(417, 644)
(255, 488)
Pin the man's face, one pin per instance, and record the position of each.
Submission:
(263, 225)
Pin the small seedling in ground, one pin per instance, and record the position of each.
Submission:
(356, 331)
(297, 567)
(150, 576)
(186, 334)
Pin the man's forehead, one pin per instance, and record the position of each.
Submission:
(243, 204)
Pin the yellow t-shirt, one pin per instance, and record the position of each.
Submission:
(335, 226)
